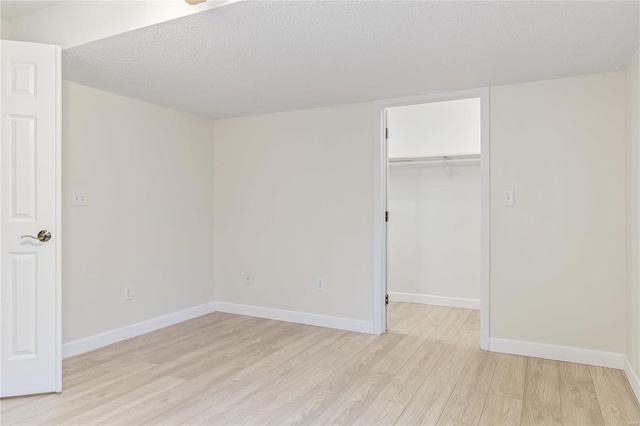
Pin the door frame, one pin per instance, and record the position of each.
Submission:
(58, 230)
(380, 159)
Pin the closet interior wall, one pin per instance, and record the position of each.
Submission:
(434, 203)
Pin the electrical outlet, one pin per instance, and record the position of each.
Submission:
(128, 293)
(247, 278)
(320, 284)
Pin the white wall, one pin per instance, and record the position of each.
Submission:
(5, 29)
(558, 256)
(633, 212)
(147, 175)
(293, 202)
(438, 128)
(434, 231)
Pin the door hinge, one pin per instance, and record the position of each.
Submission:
(386, 299)
(386, 133)
(386, 216)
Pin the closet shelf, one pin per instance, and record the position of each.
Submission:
(446, 159)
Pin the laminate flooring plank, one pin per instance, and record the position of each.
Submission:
(541, 402)
(427, 404)
(473, 321)
(400, 354)
(468, 398)
(179, 399)
(508, 379)
(380, 413)
(449, 366)
(577, 416)
(98, 398)
(447, 422)
(294, 346)
(501, 411)
(106, 408)
(457, 318)
(578, 396)
(269, 405)
(182, 411)
(351, 346)
(352, 402)
(413, 373)
(41, 404)
(617, 404)
(325, 394)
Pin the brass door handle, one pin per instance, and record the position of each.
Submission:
(43, 236)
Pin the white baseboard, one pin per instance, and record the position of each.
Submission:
(90, 343)
(455, 302)
(558, 353)
(297, 317)
(632, 377)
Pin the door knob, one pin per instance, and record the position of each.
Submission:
(43, 236)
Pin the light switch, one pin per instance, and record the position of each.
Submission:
(78, 198)
(508, 198)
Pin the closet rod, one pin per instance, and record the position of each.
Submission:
(454, 158)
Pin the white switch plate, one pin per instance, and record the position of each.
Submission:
(508, 198)
(128, 293)
(320, 284)
(78, 198)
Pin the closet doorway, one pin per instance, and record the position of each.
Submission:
(433, 242)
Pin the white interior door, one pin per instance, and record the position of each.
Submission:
(29, 187)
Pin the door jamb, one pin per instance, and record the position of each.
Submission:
(379, 203)
(58, 230)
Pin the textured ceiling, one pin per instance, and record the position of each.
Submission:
(14, 9)
(259, 57)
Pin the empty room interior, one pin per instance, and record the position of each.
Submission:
(320, 212)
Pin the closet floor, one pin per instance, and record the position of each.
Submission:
(230, 369)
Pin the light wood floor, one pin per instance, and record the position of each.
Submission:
(229, 369)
